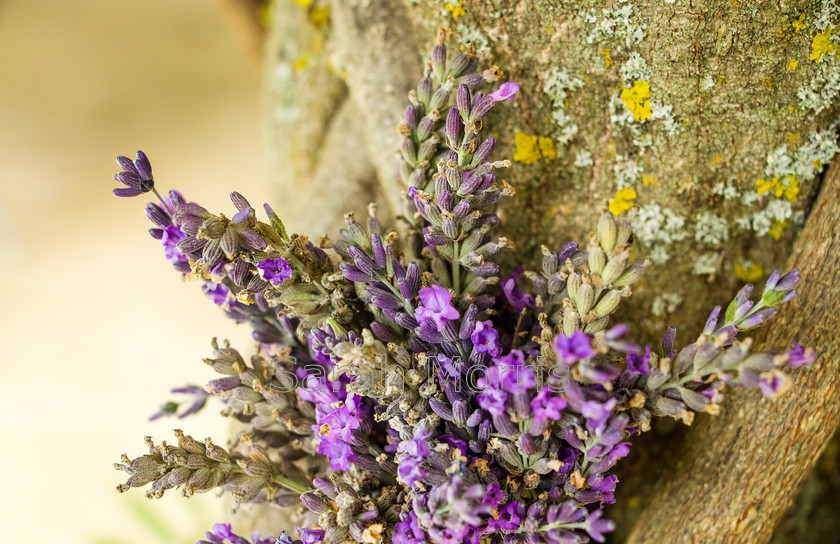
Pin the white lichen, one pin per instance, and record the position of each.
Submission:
(706, 264)
(667, 302)
(583, 158)
(711, 229)
(616, 23)
(808, 161)
(635, 68)
(707, 84)
(726, 189)
(657, 228)
(821, 91)
(557, 87)
(626, 171)
(662, 112)
(762, 221)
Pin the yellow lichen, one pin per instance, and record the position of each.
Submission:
(792, 137)
(623, 201)
(647, 180)
(787, 186)
(636, 100)
(455, 9)
(748, 272)
(320, 17)
(822, 45)
(777, 229)
(607, 58)
(547, 148)
(789, 30)
(792, 65)
(531, 148)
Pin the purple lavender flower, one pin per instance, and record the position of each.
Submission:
(486, 339)
(275, 270)
(597, 413)
(409, 530)
(516, 298)
(170, 236)
(437, 307)
(310, 536)
(639, 364)
(338, 452)
(508, 519)
(773, 383)
(412, 452)
(596, 527)
(800, 356)
(135, 175)
(493, 400)
(546, 406)
(218, 292)
(506, 92)
(571, 350)
(222, 533)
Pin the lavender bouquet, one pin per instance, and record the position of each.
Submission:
(403, 390)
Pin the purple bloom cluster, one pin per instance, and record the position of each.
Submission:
(406, 391)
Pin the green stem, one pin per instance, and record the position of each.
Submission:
(456, 268)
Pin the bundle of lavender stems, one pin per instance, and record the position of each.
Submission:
(403, 389)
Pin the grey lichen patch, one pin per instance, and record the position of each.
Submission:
(707, 264)
(558, 85)
(666, 303)
(711, 229)
(657, 229)
(618, 23)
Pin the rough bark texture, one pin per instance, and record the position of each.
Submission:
(737, 473)
(336, 90)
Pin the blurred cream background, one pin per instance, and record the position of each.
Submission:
(95, 326)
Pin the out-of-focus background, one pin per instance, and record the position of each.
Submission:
(95, 326)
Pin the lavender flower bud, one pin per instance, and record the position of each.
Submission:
(527, 444)
(409, 151)
(463, 100)
(441, 409)
(631, 275)
(426, 128)
(757, 319)
(440, 99)
(468, 322)
(484, 151)
(607, 232)
(484, 431)
(424, 90)
(362, 260)
(157, 215)
(383, 299)
(459, 65)
(459, 413)
(668, 341)
(453, 128)
(481, 108)
(411, 117)
(439, 62)
(378, 250)
(711, 322)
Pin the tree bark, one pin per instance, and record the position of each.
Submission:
(737, 473)
(336, 92)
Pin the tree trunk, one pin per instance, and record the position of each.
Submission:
(725, 120)
(737, 473)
